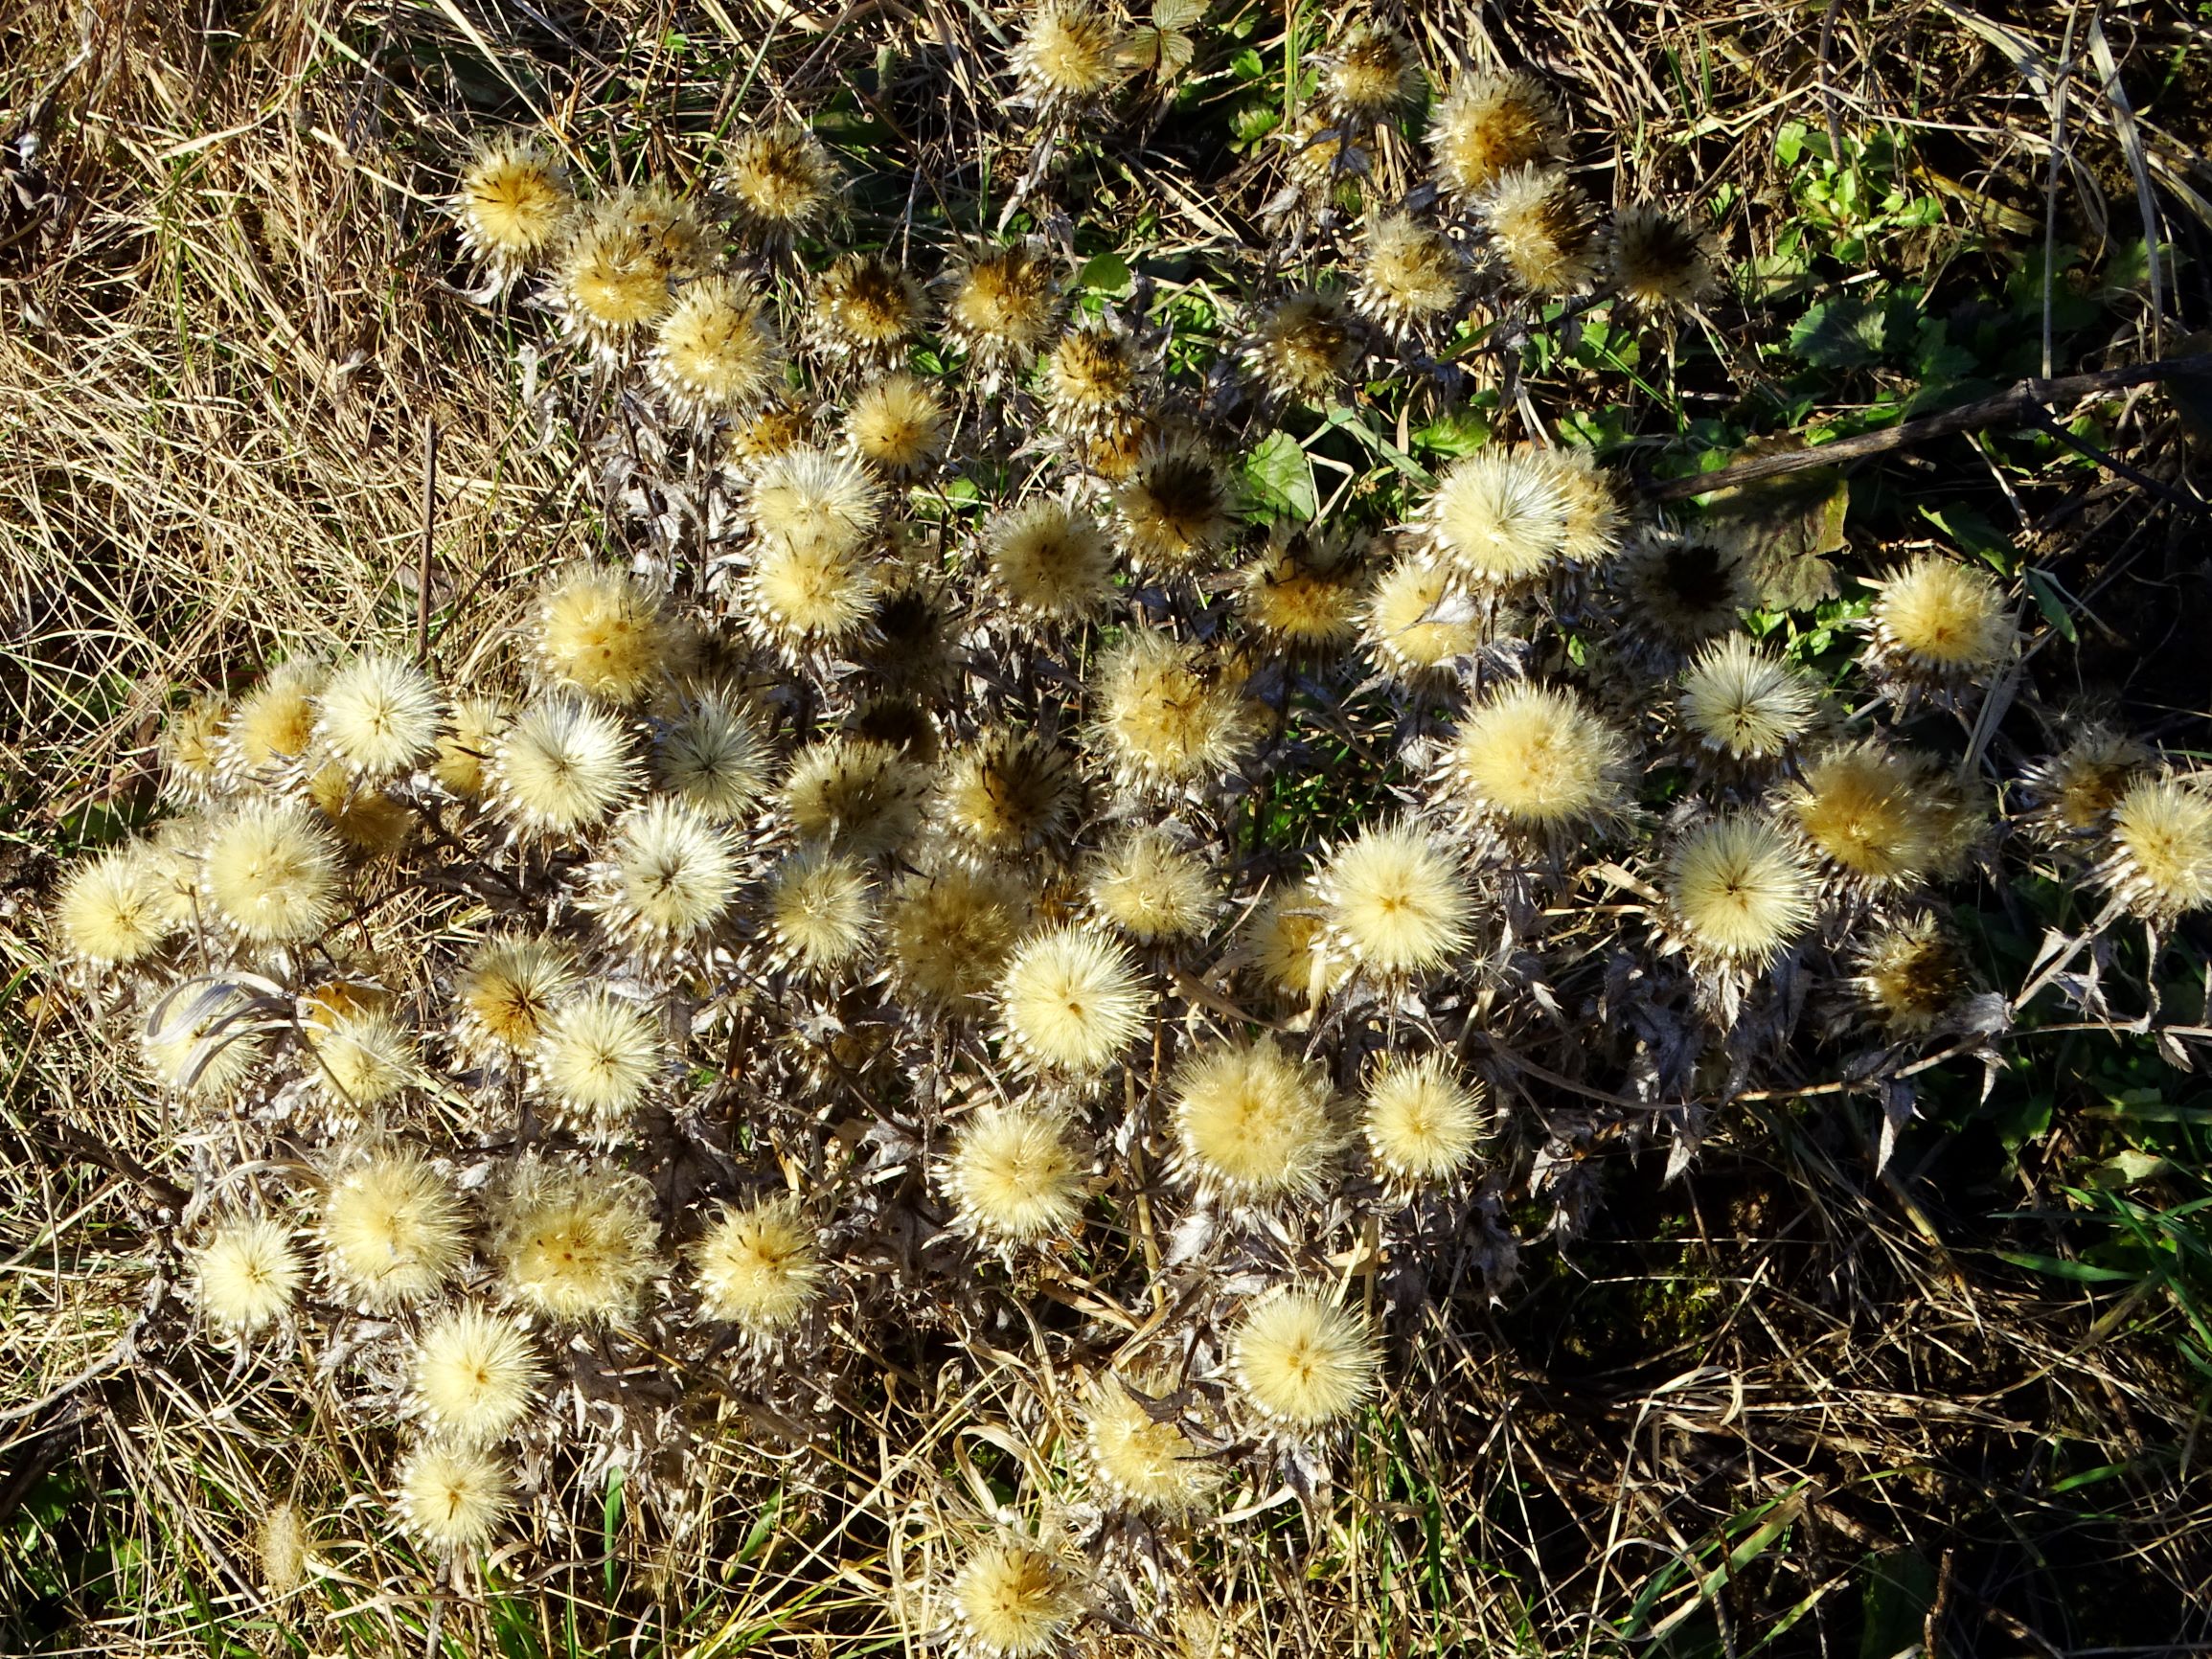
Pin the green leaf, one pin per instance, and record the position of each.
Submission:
(1899, 1590)
(2126, 1169)
(1784, 529)
(1842, 333)
(1279, 475)
(1462, 432)
(2080, 1272)
(2052, 604)
(1106, 274)
(1247, 65)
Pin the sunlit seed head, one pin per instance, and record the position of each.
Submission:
(1858, 806)
(1289, 944)
(1050, 563)
(1015, 1600)
(319, 1008)
(1499, 516)
(2159, 857)
(393, 1231)
(1303, 1361)
(1738, 891)
(780, 179)
(1657, 260)
(1535, 759)
(1175, 513)
(1253, 1123)
(2074, 791)
(816, 501)
(275, 722)
(712, 754)
(379, 715)
(1112, 453)
(202, 1043)
(561, 766)
(820, 910)
(476, 1376)
(1940, 620)
(368, 822)
(750, 441)
(1368, 73)
(282, 1542)
(1164, 720)
(1409, 275)
(514, 203)
(1000, 306)
(450, 1498)
(598, 1059)
(466, 743)
(1148, 1463)
(506, 996)
(1910, 974)
(1015, 1174)
(1396, 901)
(1070, 1000)
(864, 308)
(1091, 375)
(1302, 348)
(272, 874)
(1150, 887)
(617, 272)
(574, 1244)
(672, 874)
(193, 747)
(117, 908)
(1303, 593)
(1419, 621)
(1314, 153)
(716, 352)
(1065, 57)
(1423, 1123)
(897, 425)
(366, 1057)
(806, 598)
(949, 935)
(1745, 703)
(247, 1273)
(1487, 125)
(760, 1267)
(1593, 531)
(1006, 793)
(1542, 228)
(856, 794)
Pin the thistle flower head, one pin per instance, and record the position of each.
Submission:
(1163, 720)
(1008, 794)
(1303, 593)
(857, 794)
(811, 598)
(814, 500)
(367, 821)
(1051, 562)
(247, 1273)
(897, 425)
(1593, 530)
(1150, 886)
(1859, 806)
(1148, 1463)
(275, 722)
(1423, 1122)
(752, 441)
(118, 908)
(716, 352)
(1302, 1360)
(574, 1244)
(1911, 974)
(1499, 516)
(466, 743)
(821, 910)
(1175, 511)
(272, 874)
(193, 747)
(1065, 57)
(781, 180)
(1253, 1123)
(514, 203)
(671, 875)
(1092, 376)
(1487, 125)
(1658, 260)
(1409, 276)
(2076, 789)
(1536, 761)
(1418, 621)
(393, 1231)
(1941, 622)
(1000, 306)
(1014, 1601)
(1015, 1174)
(561, 766)
(452, 1497)
(1369, 72)
(616, 275)
(604, 633)
(1542, 228)
(760, 1267)
(505, 998)
(1750, 706)
(476, 1376)
(1289, 944)
(364, 1057)
(1396, 901)
(949, 933)
(2159, 861)
(379, 715)
(711, 756)
(597, 1060)
(1738, 891)
(1301, 349)
(202, 1043)
(1070, 1000)
(864, 308)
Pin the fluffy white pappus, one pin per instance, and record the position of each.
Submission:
(381, 715)
(1139, 1452)
(1016, 1174)
(576, 1245)
(247, 1273)
(560, 768)
(760, 1267)
(1070, 1001)
(272, 873)
(1738, 891)
(1253, 1123)
(393, 1229)
(1499, 516)
(116, 909)
(1015, 1600)
(476, 1376)
(1745, 703)
(1396, 900)
(597, 1060)
(452, 1498)
(1304, 1361)
(671, 875)
(713, 756)
(1423, 1121)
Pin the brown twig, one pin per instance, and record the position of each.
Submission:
(429, 540)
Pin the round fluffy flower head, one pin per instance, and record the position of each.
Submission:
(1002, 304)
(1418, 621)
(821, 910)
(575, 1244)
(1148, 1463)
(476, 1376)
(1091, 375)
(1314, 155)
(1910, 975)
(2160, 859)
(1423, 1121)
(1409, 276)
(1396, 901)
(1065, 57)
(560, 768)
(1738, 891)
(815, 500)
(1940, 620)
(393, 1231)
(898, 426)
(1152, 888)
(1593, 531)
(782, 179)
(366, 1057)
(617, 273)
(1745, 703)
(200, 1043)
(1499, 516)
(505, 997)
(1008, 794)
(1535, 759)
(1163, 721)
(1252, 1123)
(247, 1273)
(1071, 1000)
(1302, 348)
(717, 352)
(711, 756)
(949, 935)
(275, 721)
(1015, 1600)
(673, 873)
(1541, 227)
(1487, 125)
(1368, 73)
(2076, 789)
(1175, 511)
(466, 744)
(752, 441)
(1015, 1174)
(604, 633)
(1288, 944)
(380, 715)
(809, 598)
(596, 1060)
(760, 1267)
(857, 794)
(368, 822)
(1051, 562)
(1859, 806)
(117, 908)
(1303, 593)
(1658, 260)
(193, 748)
(1303, 1361)
(453, 1497)
(272, 873)
(514, 203)
(864, 308)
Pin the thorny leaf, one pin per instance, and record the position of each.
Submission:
(1897, 1104)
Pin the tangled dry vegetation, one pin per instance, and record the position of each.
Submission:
(955, 830)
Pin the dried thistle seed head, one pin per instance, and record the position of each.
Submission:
(1409, 276)
(1911, 974)
(1014, 1599)
(1542, 228)
(1396, 901)
(271, 872)
(1682, 592)
(1302, 348)
(1938, 622)
(1535, 760)
(1317, 157)
(1000, 306)
(1092, 376)
(247, 1273)
(1368, 74)
(201, 1043)
(2074, 791)
(1738, 891)
(466, 745)
(865, 308)
(1288, 941)
(364, 1058)
(1859, 807)
(1303, 1361)
(820, 910)
(716, 352)
(1049, 562)
(896, 426)
(913, 636)
(1015, 1174)
(193, 748)
(1148, 1463)
(604, 633)
(781, 180)
(760, 1267)
(811, 599)
(1008, 794)
(1423, 1121)
(1303, 593)
(1070, 1001)
(393, 1231)
(476, 1376)
(275, 722)
(949, 935)
(281, 1540)
(1150, 887)
(752, 441)
(1065, 57)
(506, 996)
(1166, 719)
(574, 1244)
(1499, 517)
(617, 274)
(712, 754)
(514, 204)
(1658, 260)
(367, 821)
(810, 499)
(1418, 621)
(450, 1498)
(2159, 859)
(1485, 126)
(597, 1062)
(1177, 512)
(856, 794)
(560, 768)
(671, 875)
(1745, 703)
(1252, 1123)
(1593, 531)
(117, 908)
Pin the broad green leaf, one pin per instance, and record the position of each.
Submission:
(1280, 477)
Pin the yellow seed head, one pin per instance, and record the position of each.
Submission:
(1396, 901)
(393, 1231)
(1535, 759)
(1148, 1463)
(1150, 886)
(1409, 276)
(450, 1498)
(760, 1267)
(1014, 1601)
(1016, 1174)
(477, 1375)
(1253, 1123)
(1163, 721)
(514, 203)
(1738, 891)
(271, 872)
(505, 999)
(1070, 1000)
(1487, 125)
(597, 1060)
(1050, 563)
(821, 910)
(1423, 1122)
(1419, 622)
(575, 1244)
(247, 1273)
(1303, 1361)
